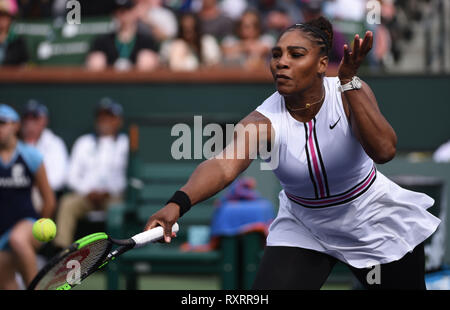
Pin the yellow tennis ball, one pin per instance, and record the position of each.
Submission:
(44, 230)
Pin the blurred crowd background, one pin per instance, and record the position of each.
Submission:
(187, 35)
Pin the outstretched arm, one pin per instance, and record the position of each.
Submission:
(213, 175)
(372, 130)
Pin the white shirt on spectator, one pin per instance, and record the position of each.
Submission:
(99, 164)
(233, 8)
(56, 158)
(350, 10)
(442, 154)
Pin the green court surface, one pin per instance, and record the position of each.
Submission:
(169, 282)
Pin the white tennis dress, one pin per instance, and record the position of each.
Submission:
(333, 199)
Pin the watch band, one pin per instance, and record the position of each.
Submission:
(355, 83)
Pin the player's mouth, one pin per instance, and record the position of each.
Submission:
(282, 76)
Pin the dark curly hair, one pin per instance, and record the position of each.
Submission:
(319, 30)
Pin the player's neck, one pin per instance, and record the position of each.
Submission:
(305, 105)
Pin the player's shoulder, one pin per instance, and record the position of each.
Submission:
(31, 155)
(28, 150)
(331, 82)
(271, 103)
(270, 111)
(331, 79)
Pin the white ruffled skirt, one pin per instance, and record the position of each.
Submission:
(378, 227)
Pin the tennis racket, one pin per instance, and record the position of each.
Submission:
(87, 255)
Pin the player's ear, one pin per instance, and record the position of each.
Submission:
(322, 65)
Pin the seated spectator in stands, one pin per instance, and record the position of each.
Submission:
(97, 171)
(442, 154)
(250, 48)
(191, 49)
(35, 132)
(156, 20)
(213, 21)
(13, 50)
(126, 48)
(21, 168)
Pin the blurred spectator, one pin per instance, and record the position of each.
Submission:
(442, 154)
(250, 48)
(192, 49)
(13, 50)
(126, 47)
(156, 20)
(21, 168)
(97, 171)
(312, 9)
(350, 10)
(277, 15)
(35, 132)
(233, 8)
(387, 35)
(213, 21)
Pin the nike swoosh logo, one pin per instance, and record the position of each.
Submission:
(332, 126)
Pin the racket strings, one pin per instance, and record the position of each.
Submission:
(72, 268)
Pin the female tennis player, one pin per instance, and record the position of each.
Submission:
(335, 205)
(21, 168)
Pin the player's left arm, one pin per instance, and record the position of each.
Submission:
(370, 127)
(47, 194)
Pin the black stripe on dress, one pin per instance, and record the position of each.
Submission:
(324, 173)
(309, 162)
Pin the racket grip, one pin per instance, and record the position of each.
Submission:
(151, 235)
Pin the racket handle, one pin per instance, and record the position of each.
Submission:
(151, 235)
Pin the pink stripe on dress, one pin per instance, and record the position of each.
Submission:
(314, 160)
